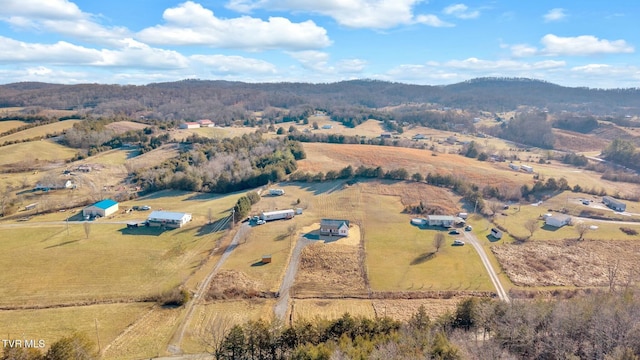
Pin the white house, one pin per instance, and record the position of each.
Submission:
(206, 123)
(102, 208)
(189, 125)
(440, 220)
(558, 221)
(168, 219)
(334, 227)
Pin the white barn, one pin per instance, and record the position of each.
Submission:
(102, 208)
(614, 204)
(496, 233)
(168, 219)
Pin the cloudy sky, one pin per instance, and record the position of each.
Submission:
(588, 43)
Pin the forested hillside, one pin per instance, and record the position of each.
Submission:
(227, 101)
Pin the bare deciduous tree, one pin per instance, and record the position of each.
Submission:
(87, 228)
(494, 206)
(531, 225)
(438, 241)
(582, 229)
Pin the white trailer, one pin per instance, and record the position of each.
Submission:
(276, 192)
(515, 167)
(277, 215)
(527, 168)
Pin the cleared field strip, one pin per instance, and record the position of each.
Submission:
(35, 150)
(38, 131)
(10, 124)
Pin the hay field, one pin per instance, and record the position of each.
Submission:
(324, 157)
(403, 309)
(52, 324)
(10, 124)
(41, 150)
(40, 131)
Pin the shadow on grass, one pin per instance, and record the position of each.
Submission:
(143, 230)
(422, 258)
(259, 263)
(76, 217)
(492, 238)
(549, 228)
(215, 226)
(62, 244)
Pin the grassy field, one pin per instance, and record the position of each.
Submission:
(399, 255)
(52, 324)
(310, 309)
(41, 130)
(153, 157)
(10, 124)
(40, 150)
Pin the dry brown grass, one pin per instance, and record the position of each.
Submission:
(331, 268)
(403, 309)
(577, 142)
(309, 309)
(231, 284)
(153, 157)
(124, 126)
(568, 263)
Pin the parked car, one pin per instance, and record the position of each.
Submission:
(586, 202)
(260, 222)
(468, 228)
(132, 225)
(458, 242)
(454, 232)
(145, 207)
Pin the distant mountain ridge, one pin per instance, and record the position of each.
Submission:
(206, 96)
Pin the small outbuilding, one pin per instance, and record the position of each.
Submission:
(102, 208)
(558, 221)
(515, 167)
(168, 219)
(190, 125)
(333, 227)
(527, 168)
(496, 233)
(266, 259)
(614, 204)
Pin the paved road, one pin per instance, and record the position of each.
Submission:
(174, 345)
(471, 239)
(280, 309)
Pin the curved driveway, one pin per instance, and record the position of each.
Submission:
(473, 240)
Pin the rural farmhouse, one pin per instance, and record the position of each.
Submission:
(168, 219)
(440, 220)
(557, 220)
(334, 227)
(614, 204)
(102, 208)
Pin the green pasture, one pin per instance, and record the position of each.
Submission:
(35, 150)
(42, 130)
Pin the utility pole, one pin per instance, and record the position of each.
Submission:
(233, 216)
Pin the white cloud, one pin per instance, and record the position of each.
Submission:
(313, 60)
(221, 64)
(503, 65)
(351, 65)
(461, 11)
(375, 14)
(583, 45)
(58, 16)
(192, 24)
(556, 14)
(131, 53)
(523, 50)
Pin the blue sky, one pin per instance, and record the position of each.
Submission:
(587, 43)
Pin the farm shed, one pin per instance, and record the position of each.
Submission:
(614, 204)
(515, 167)
(440, 220)
(327, 126)
(496, 233)
(276, 192)
(557, 220)
(168, 219)
(277, 215)
(51, 185)
(334, 227)
(102, 208)
(189, 125)
(266, 259)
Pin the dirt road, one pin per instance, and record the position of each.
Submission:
(471, 239)
(176, 341)
(280, 309)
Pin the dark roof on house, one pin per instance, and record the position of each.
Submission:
(612, 200)
(105, 204)
(333, 223)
